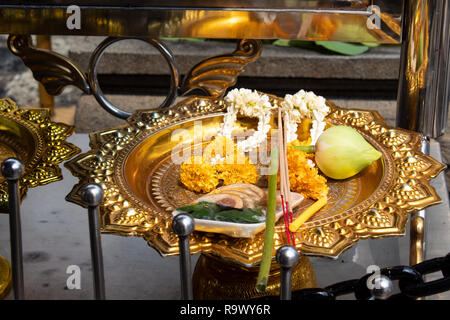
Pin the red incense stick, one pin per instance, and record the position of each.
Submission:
(286, 219)
(289, 218)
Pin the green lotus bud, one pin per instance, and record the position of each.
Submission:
(341, 152)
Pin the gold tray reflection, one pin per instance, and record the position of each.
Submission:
(132, 164)
(30, 136)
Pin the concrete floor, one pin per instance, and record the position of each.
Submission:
(55, 236)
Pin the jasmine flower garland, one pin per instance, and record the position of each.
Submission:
(250, 104)
(305, 105)
(302, 105)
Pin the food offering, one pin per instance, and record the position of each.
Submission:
(236, 210)
(319, 205)
(232, 182)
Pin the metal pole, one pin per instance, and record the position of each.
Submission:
(424, 80)
(424, 86)
(92, 196)
(287, 257)
(12, 170)
(381, 288)
(183, 225)
(45, 100)
(417, 224)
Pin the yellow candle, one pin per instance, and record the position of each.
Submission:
(305, 215)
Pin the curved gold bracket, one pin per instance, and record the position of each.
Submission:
(214, 75)
(51, 69)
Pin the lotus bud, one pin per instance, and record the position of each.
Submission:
(341, 152)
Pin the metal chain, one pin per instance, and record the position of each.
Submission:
(422, 289)
(411, 283)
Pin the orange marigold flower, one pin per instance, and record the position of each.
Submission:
(198, 176)
(198, 173)
(303, 178)
(237, 173)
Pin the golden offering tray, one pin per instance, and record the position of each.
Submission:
(30, 136)
(373, 204)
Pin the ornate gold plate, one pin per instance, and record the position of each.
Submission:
(31, 136)
(132, 163)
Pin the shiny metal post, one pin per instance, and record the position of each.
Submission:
(12, 170)
(424, 81)
(92, 196)
(287, 257)
(46, 100)
(382, 288)
(183, 225)
(424, 86)
(417, 224)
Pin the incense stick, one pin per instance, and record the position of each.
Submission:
(286, 220)
(286, 172)
(284, 177)
(282, 169)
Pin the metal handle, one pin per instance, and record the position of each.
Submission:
(92, 196)
(12, 170)
(287, 257)
(98, 93)
(183, 225)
